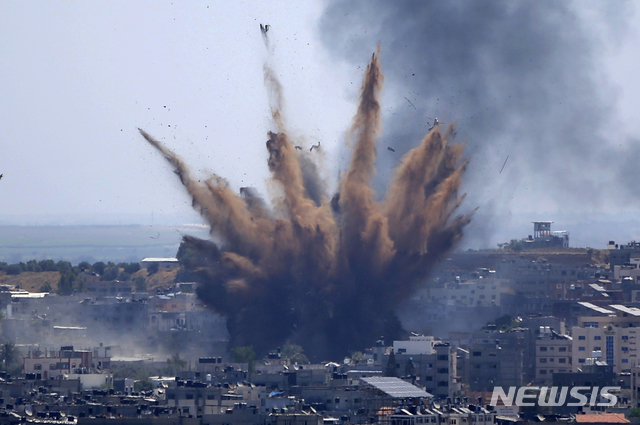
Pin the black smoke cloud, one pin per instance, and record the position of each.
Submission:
(522, 78)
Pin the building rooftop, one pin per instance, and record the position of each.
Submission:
(608, 418)
(633, 311)
(396, 387)
(595, 308)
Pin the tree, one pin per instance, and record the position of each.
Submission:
(356, 357)
(131, 268)
(9, 354)
(175, 364)
(152, 268)
(65, 284)
(124, 276)
(140, 283)
(98, 268)
(84, 266)
(48, 266)
(392, 366)
(110, 273)
(64, 266)
(33, 266)
(293, 352)
(244, 354)
(13, 269)
(45, 287)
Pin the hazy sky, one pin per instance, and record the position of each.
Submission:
(77, 79)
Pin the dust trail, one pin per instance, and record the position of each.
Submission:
(315, 272)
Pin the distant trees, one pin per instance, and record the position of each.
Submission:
(70, 282)
(65, 284)
(84, 266)
(392, 366)
(9, 355)
(153, 268)
(140, 284)
(98, 268)
(13, 269)
(130, 268)
(294, 353)
(244, 354)
(175, 364)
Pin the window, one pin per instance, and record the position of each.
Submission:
(562, 349)
(581, 337)
(609, 351)
(443, 357)
(443, 370)
(543, 360)
(581, 360)
(625, 338)
(625, 349)
(581, 349)
(625, 360)
(597, 338)
(477, 353)
(37, 366)
(562, 360)
(598, 348)
(543, 371)
(543, 348)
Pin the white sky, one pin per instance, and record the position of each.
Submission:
(78, 77)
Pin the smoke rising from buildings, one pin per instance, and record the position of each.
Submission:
(318, 271)
(524, 78)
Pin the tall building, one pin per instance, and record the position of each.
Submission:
(611, 339)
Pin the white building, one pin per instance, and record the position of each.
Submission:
(417, 344)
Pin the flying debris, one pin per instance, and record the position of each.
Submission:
(264, 28)
(435, 122)
(324, 263)
(389, 148)
(505, 163)
(411, 103)
(298, 147)
(1, 176)
(314, 147)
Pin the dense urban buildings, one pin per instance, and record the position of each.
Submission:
(113, 350)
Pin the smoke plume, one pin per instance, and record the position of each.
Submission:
(324, 274)
(525, 79)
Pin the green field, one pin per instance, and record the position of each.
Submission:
(92, 243)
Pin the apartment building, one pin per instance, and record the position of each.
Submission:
(553, 354)
(612, 339)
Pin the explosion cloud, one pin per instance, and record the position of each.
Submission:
(324, 274)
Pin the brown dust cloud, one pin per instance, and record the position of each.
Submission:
(322, 271)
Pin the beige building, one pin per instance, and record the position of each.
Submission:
(612, 339)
